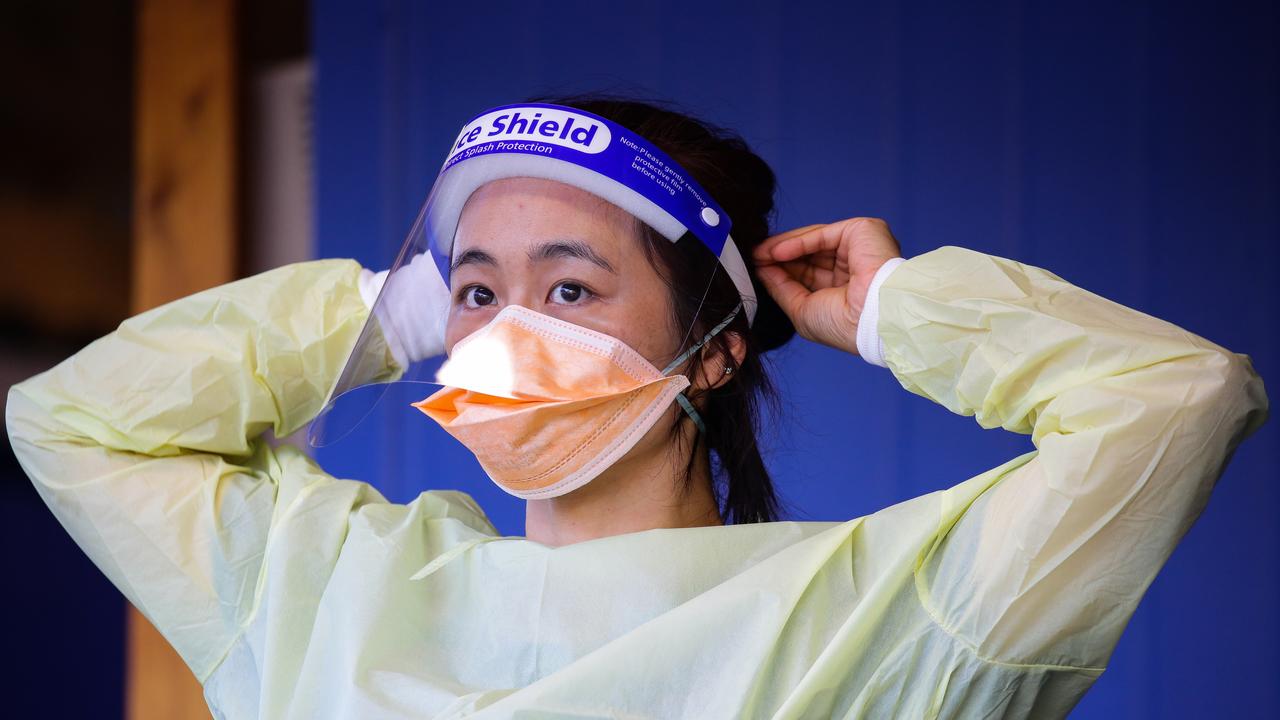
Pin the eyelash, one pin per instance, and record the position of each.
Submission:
(462, 296)
(586, 294)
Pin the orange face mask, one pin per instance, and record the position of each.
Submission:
(547, 405)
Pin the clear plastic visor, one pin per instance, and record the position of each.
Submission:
(542, 244)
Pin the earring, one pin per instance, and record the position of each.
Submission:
(728, 369)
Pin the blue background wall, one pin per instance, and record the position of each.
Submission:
(1131, 150)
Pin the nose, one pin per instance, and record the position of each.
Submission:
(524, 296)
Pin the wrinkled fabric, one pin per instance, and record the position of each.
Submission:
(292, 594)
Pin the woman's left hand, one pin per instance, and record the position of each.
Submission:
(819, 275)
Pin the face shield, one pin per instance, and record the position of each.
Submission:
(546, 209)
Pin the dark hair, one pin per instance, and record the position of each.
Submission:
(743, 184)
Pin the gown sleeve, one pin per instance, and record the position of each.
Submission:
(1133, 420)
(146, 444)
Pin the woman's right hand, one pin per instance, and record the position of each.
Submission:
(819, 275)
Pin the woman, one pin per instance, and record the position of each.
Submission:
(293, 594)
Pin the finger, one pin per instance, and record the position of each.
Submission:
(817, 239)
(763, 251)
(788, 292)
(798, 270)
(816, 275)
(827, 260)
(819, 279)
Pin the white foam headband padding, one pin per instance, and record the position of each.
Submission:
(457, 184)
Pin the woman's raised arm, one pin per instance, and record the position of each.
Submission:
(145, 444)
(1133, 419)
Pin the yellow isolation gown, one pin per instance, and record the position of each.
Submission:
(292, 594)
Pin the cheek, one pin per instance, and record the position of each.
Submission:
(451, 336)
(658, 342)
(651, 324)
(647, 329)
(640, 327)
(459, 326)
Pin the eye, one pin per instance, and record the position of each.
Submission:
(569, 293)
(475, 296)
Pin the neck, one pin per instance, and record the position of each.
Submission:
(642, 491)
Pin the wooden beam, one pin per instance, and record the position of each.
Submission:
(185, 224)
(185, 214)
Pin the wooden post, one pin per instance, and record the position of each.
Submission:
(185, 225)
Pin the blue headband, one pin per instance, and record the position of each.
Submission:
(589, 152)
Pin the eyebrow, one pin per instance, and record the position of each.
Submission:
(570, 249)
(472, 257)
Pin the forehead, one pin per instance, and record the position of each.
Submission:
(516, 212)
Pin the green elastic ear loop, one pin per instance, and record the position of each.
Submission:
(680, 398)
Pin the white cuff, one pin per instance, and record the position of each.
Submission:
(869, 345)
(412, 311)
(370, 284)
(370, 287)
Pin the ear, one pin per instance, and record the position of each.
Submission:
(714, 362)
